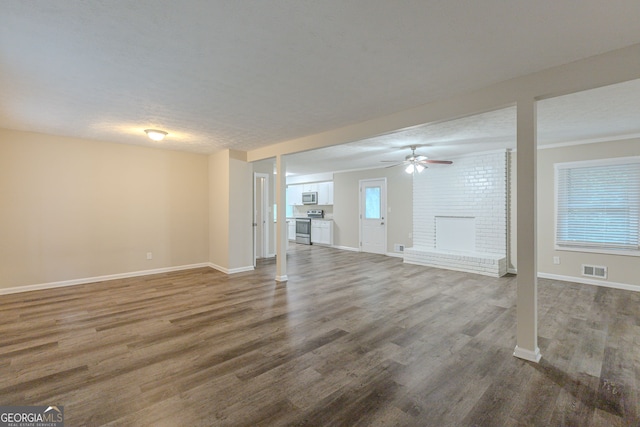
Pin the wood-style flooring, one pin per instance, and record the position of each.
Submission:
(352, 339)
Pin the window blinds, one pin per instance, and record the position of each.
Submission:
(598, 205)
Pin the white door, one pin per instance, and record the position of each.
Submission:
(373, 208)
(260, 216)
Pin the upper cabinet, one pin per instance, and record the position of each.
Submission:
(324, 190)
(310, 188)
(325, 193)
(294, 195)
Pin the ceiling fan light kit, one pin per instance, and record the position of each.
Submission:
(417, 163)
(412, 168)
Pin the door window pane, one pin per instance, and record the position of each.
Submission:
(372, 203)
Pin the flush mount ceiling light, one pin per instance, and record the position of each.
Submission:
(155, 134)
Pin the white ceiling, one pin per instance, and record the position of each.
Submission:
(607, 113)
(245, 74)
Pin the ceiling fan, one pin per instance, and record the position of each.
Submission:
(416, 162)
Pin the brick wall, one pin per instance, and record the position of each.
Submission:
(473, 186)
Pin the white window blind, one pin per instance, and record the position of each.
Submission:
(598, 204)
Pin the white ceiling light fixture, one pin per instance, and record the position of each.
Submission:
(155, 134)
(414, 168)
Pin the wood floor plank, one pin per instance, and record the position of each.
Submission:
(352, 339)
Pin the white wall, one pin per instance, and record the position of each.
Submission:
(230, 211)
(240, 212)
(73, 208)
(346, 206)
(218, 199)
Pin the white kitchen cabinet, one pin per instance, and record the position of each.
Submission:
(324, 190)
(308, 188)
(325, 193)
(294, 195)
(291, 229)
(322, 232)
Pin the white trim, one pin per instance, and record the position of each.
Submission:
(282, 278)
(531, 356)
(346, 248)
(595, 250)
(614, 285)
(231, 270)
(512, 271)
(588, 141)
(84, 281)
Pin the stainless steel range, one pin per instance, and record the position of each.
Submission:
(315, 213)
(303, 226)
(303, 231)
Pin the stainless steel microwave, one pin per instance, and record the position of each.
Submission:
(310, 198)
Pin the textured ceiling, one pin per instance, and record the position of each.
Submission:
(245, 74)
(607, 113)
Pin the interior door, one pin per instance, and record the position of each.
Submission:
(260, 216)
(373, 208)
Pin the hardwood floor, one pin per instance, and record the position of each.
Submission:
(352, 339)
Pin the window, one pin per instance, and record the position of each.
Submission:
(598, 205)
(372, 203)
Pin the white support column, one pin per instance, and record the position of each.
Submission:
(281, 227)
(527, 292)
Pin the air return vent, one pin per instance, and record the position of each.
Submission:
(398, 247)
(598, 271)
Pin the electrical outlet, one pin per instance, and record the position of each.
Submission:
(149, 255)
(411, 235)
(556, 260)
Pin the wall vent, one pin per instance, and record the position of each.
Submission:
(398, 247)
(598, 271)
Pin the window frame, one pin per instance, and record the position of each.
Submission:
(590, 163)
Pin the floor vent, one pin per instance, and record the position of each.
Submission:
(594, 271)
(398, 247)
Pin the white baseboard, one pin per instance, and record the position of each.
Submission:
(282, 278)
(586, 281)
(86, 280)
(531, 356)
(346, 248)
(231, 270)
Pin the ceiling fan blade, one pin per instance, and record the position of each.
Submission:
(393, 166)
(440, 162)
(405, 162)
